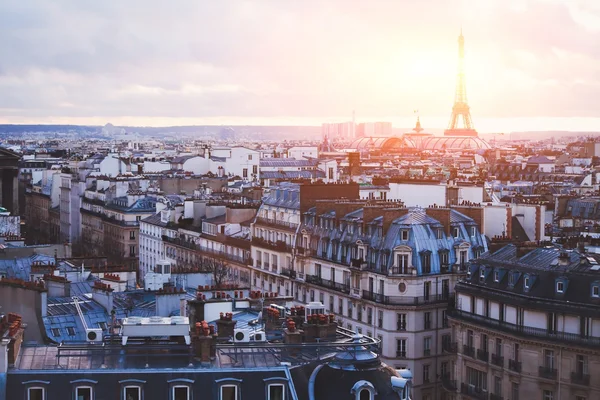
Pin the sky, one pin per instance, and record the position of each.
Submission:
(530, 64)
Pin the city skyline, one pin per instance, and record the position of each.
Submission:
(288, 64)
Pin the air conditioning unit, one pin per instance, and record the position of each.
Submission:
(259, 336)
(93, 335)
(241, 335)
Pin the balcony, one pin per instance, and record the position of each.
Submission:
(278, 245)
(276, 223)
(426, 352)
(548, 373)
(473, 392)
(450, 347)
(401, 326)
(514, 365)
(242, 259)
(355, 292)
(469, 351)
(448, 383)
(579, 378)
(358, 263)
(290, 273)
(400, 354)
(525, 331)
(498, 360)
(483, 355)
(404, 300)
(326, 283)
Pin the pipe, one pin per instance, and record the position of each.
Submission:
(311, 382)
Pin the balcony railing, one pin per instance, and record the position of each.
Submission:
(448, 383)
(276, 223)
(525, 330)
(278, 245)
(288, 272)
(404, 300)
(401, 326)
(579, 378)
(426, 352)
(400, 354)
(483, 355)
(326, 283)
(242, 259)
(548, 372)
(514, 365)
(469, 351)
(450, 347)
(474, 392)
(498, 360)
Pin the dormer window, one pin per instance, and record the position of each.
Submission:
(276, 392)
(473, 231)
(560, 287)
(456, 233)
(365, 394)
(596, 291)
(511, 279)
(440, 234)
(405, 234)
(526, 282)
(496, 276)
(482, 274)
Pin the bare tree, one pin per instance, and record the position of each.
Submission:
(217, 267)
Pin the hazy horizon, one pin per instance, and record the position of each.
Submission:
(147, 63)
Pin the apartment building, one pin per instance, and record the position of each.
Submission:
(527, 327)
(386, 271)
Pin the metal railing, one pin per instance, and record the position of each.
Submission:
(525, 330)
(469, 351)
(288, 272)
(474, 392)
(326, 283)
(276, 223)
(450, 347)
(243, 259)
(483, 355)
(547, 372)
(278, 245)
(514, 365)
(579, 378)
(405, 300)
(448, 383)
(498, 360)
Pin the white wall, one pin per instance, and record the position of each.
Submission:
(197, 165)
(156, 166)
(495, 220)
(300, 152)
(471, 193)
(416, 195)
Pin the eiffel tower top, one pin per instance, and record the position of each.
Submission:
(460, 109)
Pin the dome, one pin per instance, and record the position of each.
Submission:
(455, 143)
(382, 143)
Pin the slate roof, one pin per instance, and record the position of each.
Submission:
(312, 174)
(287, 162)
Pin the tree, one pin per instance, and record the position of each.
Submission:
(218, 268)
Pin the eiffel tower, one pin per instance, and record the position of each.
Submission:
(461, 109)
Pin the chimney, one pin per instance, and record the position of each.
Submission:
(225, 325)
(475, 212)
(58, 286)
(390, 214)
(102, 294)
(168, 300)
(204, 340)
(441, 214)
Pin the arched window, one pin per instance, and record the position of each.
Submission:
(365, 394)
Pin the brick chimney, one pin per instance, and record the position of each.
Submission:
(390, 214)
(204, 340)
(475, 212)
(225, 325)
(441, 214)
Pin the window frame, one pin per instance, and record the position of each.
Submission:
(42, 388)
(227, 385)
(270, 385)
(140, 391)
(560, 287)
(181, 385)
(92, 394)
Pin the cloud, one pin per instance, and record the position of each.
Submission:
(249, 59)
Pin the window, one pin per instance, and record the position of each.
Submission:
(560, 287)
(470, 338)
(402, 263)
(255, 169)
(496, 276)
(83, 393)
(401, 321)
(132, 393)
(581, 365)
(526, 282)
(245, 173)
(549, 359)
(548, 395)
(427, 320)
(276, 392)
(365, 394)
(131, 235)
(426, 262)
(228, 392)
(36, 393)
(426, 373)
(477, 379)
(181, 393)
(498, 386)
(514, 388)
(444, 369)
(56, 332)
(404, 234)
(401, 348)
(132, 250)
(249, 157)
(456, 232)
(426, 290)
(473, 231)
(552, 322)
(595, 291)
(427, 346)
(71, 330)
(380, 319)
(511, 279)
